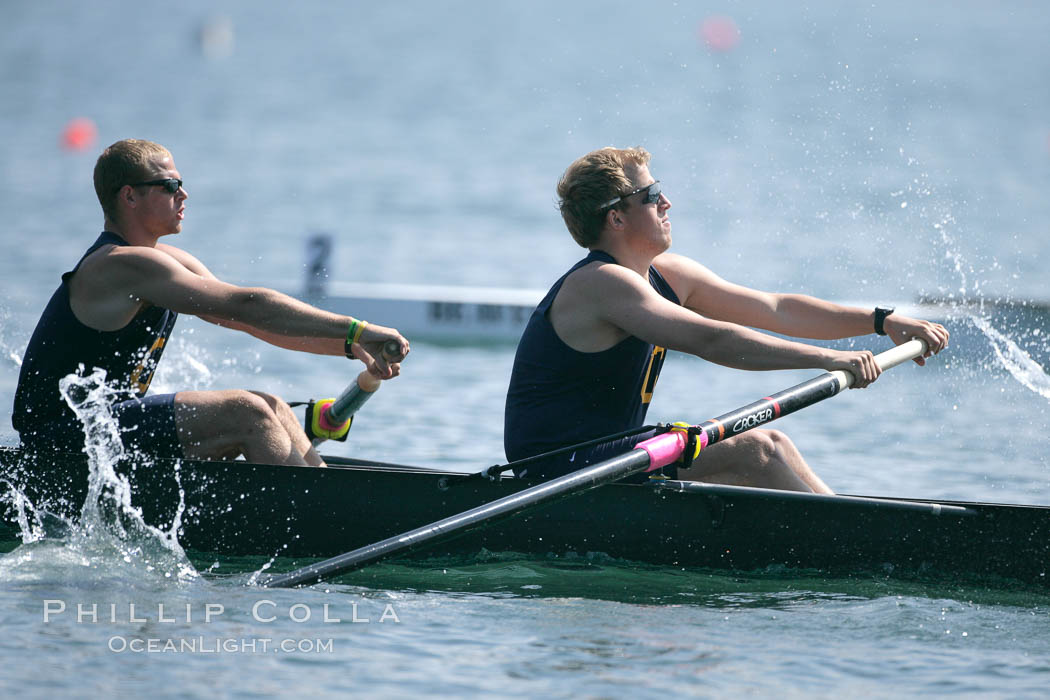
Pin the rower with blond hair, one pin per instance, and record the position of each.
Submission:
(117, 307)
(589, 359)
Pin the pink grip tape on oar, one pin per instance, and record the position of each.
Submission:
(321, 424)
(325, 417)
(668, 448)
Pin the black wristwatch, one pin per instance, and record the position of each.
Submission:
(881, 312)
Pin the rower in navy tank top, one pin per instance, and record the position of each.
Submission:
(116, 309)
(560, 396)
(61, 344)
(591, 353)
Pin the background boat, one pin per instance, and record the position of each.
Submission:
(466, 314)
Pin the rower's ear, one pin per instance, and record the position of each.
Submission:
(127, 196)
(614, 218)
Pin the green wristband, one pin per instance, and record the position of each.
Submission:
(350, 337)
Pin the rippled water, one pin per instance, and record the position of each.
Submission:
(881, 153)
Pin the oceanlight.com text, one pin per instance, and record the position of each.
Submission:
(219, 645)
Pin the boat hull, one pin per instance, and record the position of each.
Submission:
(235, 508)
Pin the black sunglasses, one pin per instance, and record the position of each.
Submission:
(170, 184)
(652, 195)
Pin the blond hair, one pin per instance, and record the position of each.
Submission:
(590, 182)
(124, 163)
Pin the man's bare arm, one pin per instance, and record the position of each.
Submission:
(622, 298)
(797, 315)
(179, 282)
(319, 345)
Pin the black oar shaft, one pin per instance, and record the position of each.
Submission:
(650, 454)
(548, 492)
(352, 398)
(807, 393)
(770, 408)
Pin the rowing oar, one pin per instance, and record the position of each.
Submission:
(329, 419)
(649, 455)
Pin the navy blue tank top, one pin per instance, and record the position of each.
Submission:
(559, 396)
(61, 343)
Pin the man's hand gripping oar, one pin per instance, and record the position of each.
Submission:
(330, 419)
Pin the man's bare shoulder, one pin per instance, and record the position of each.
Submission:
(689, 279)
(106, 291)
(592, 300)
(186, 259)
(580, 311)
(136, 259)
(679, 266)
(599, 279)
(172, 251)
(124, 259)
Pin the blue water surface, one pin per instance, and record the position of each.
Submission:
(881, 152)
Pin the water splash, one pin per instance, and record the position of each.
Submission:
(9, 352)
(253, 579)
(30, 521)
(110, 538)
(969, 302)
(1015, 359)
(186, 366)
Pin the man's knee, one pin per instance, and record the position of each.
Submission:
(257, 409)
(276, 404)
(766, 444)
(778, 439)
(230, 411)
(269, 399)
(281, 410)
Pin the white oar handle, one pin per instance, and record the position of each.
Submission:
(355, 395)
(392, 351)
(889, 359)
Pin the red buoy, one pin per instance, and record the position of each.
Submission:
(720, 33)
(80, 133)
